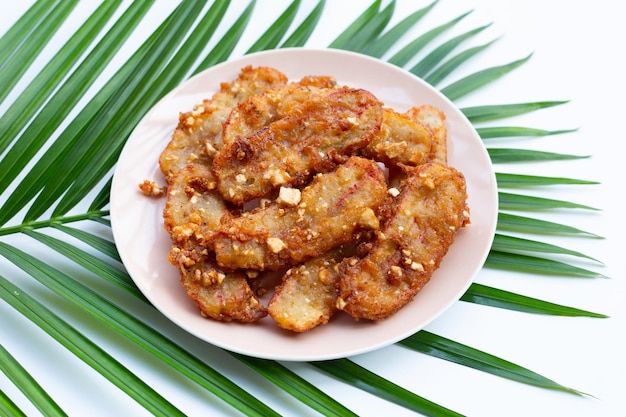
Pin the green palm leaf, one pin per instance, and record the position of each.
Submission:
(516, 223)
(297, 386)
(510, 132)
(225, 46)
(86, 350)
(408, 52)
(430, 61)
(274, 34)
(368, 32)
(9, 408)
(487, 113)
(432, 344)
(35, 94)
(510, 201)
(504, 155)
(494, 297)
(354, 374)
(20, 53)
(506, 180)
(59, 106)
(504, 243)
(536, 265)
(353, 30)
(18, 34)
(73, 169)
(300, 36)
(27, 384)
(473, 82)
(446, 68)
(382, 44)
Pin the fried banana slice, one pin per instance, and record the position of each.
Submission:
(435, 120)
(423, 221)
(258, 111)
(401, 140)
(326, 214)
(199, 132)
(307, 296)
(220, 295)
(291, 150)
(194, 209)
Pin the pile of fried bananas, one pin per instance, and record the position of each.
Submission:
(312, 193)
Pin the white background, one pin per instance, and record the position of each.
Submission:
(578, 55)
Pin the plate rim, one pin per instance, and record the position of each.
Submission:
(237, 63)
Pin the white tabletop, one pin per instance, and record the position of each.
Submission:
(577, 55)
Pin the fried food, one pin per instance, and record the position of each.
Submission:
(401, 140)
(258, 111)
(290, 150)
(307, 296)
(435, 120)
(194, 208)
(220, 295)
(355, 201)
(199, 132)
(328, 213)
(421, 225)
(192, 213)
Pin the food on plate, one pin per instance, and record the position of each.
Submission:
(194, 209)
(199, 131)
(401, 140)
(347, 202)
(433, 119)
(258, 111)
(218, 294)
(311, 138)
(307, 295)
(418, 228)
(329, 212)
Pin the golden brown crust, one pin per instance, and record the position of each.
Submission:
(351, 237)
(331, 210)
(307, 296)
(257, 111)
(434, 119)
(290, 150)
(401, 140)
(421, 225)
(220, 295)
(199, 132)
(194, 209)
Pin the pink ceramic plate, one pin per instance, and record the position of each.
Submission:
(143, 243)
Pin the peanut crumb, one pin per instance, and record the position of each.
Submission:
(275, 244)
(416, 266)
(368, 219)
(152, 189)
(289, 196)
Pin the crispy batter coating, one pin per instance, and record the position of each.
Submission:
(434, 119)
(192, 213)
(421, 225)
(291, 150)
(199, 132)
(220, 295)
(307, 296)
(194, 209)
(350, 237)
(401, 140)
(258, 111)
(330, 211)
